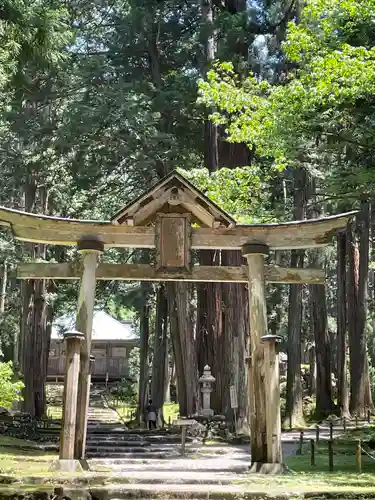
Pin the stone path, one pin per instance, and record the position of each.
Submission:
(144, 464)
(205, 471)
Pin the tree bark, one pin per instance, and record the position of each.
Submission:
(144, 326)
(167, 391)
(36, 329)
(312, 374)
(364, 255)
(319, 324)
(211, 154)
(159, 378)
(324, 403)
(294, 385)
(3, 291)
(342, 376)
(231, 369)
(357, 283)
(182, 336)
(210, 327)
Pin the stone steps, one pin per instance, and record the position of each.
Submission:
(185, 477)
(178, 466)
(116, 442)
(174, 491)
(103, 448)
(127, 454)
(95, 416)
(91, 438)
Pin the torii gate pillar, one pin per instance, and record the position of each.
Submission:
(260, 458)
(90, 250)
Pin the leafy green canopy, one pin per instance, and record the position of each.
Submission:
(328, 99)
(29, 30)
(239, 191)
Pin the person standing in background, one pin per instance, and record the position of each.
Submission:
(151, 415)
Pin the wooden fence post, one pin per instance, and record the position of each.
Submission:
(312, 447)
(331, 430)
(368, 416)
(299, 451)
(330, 455)
(358, 457)
(317, 434)
(344, 422)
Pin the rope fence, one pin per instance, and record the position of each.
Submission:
(332, 446)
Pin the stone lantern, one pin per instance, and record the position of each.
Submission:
(206, 382)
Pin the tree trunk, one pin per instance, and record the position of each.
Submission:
(211, 155)
(294, 385)
(233, 155)
(312, 374)
(4, 282)
(324, 403)
(209, 325)
(144, 326)
(160, 358)
(37, 331)
(319, 324)
(173, 378)
(342, 375)
(167, 391)
(230, 362)
(36, 327)
(357, 282)
(182, 336)
(364, 254)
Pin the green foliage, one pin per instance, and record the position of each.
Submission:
(10, 390)
(126, 392)
(324, 106)
(242, 191)
(30, 31)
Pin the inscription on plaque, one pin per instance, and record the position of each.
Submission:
(173, 242)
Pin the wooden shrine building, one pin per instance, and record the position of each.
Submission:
(174, 218)
(111, 344)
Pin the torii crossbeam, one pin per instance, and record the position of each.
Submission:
(174, 218)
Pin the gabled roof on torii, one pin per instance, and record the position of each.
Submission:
(174, 194)
(131, 226)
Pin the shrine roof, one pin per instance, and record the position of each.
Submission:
(104, 327)
(176, 191)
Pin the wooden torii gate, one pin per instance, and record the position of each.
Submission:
(174, 218)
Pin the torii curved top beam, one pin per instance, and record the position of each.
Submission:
(59, 231)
